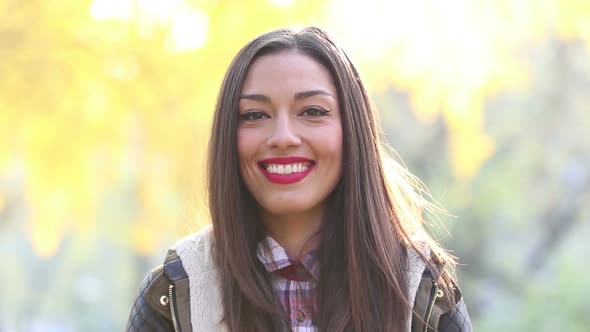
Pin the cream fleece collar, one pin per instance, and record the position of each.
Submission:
(205, 299)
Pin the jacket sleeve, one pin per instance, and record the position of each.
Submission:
(143, 316)
(455, 320)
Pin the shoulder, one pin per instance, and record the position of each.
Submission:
(151, 311)
(443, 312)
(200, 239)
(196, 251)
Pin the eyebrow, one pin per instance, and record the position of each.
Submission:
(298, 95)
(311, 93)
(256, 97)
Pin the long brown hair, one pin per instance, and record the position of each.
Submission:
(374, 214)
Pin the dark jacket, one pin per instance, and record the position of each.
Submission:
(163, 303)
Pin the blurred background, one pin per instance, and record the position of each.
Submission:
(105, 109)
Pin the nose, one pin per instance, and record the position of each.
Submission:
(284, 134)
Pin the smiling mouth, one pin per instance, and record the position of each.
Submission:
(286, 169)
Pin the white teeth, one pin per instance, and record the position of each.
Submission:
(287, 169)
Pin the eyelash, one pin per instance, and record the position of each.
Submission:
(259, 115)
(253, 116)
(322, 111)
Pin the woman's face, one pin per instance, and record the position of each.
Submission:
(290, 134)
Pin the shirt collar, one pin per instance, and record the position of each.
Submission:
(274, 257)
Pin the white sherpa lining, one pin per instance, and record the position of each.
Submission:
(205, 299)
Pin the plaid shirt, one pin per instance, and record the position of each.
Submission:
(293, 281)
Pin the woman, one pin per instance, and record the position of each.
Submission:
(313, 228)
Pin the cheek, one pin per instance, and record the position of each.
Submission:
(246, 145)
(334, 148)
(338, 143)
(332, 144)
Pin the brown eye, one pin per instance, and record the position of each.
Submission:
(315, 112)
(253, 116)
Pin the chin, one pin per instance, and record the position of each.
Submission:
(282, 208)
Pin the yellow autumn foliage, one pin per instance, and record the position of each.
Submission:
(115, 96)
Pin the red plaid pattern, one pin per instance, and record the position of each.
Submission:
(293, 281)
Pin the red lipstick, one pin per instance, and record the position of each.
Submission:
(286, 178)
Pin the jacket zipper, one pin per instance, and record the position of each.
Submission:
(433, 294)
(173, 307)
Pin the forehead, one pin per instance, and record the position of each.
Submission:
(287, 71)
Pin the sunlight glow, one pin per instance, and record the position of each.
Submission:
(187, 26)
(161, 11)
(106, 9)
(188, 31)
(282, 3)
(449, 55)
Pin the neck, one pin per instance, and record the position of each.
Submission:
(296, 233)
